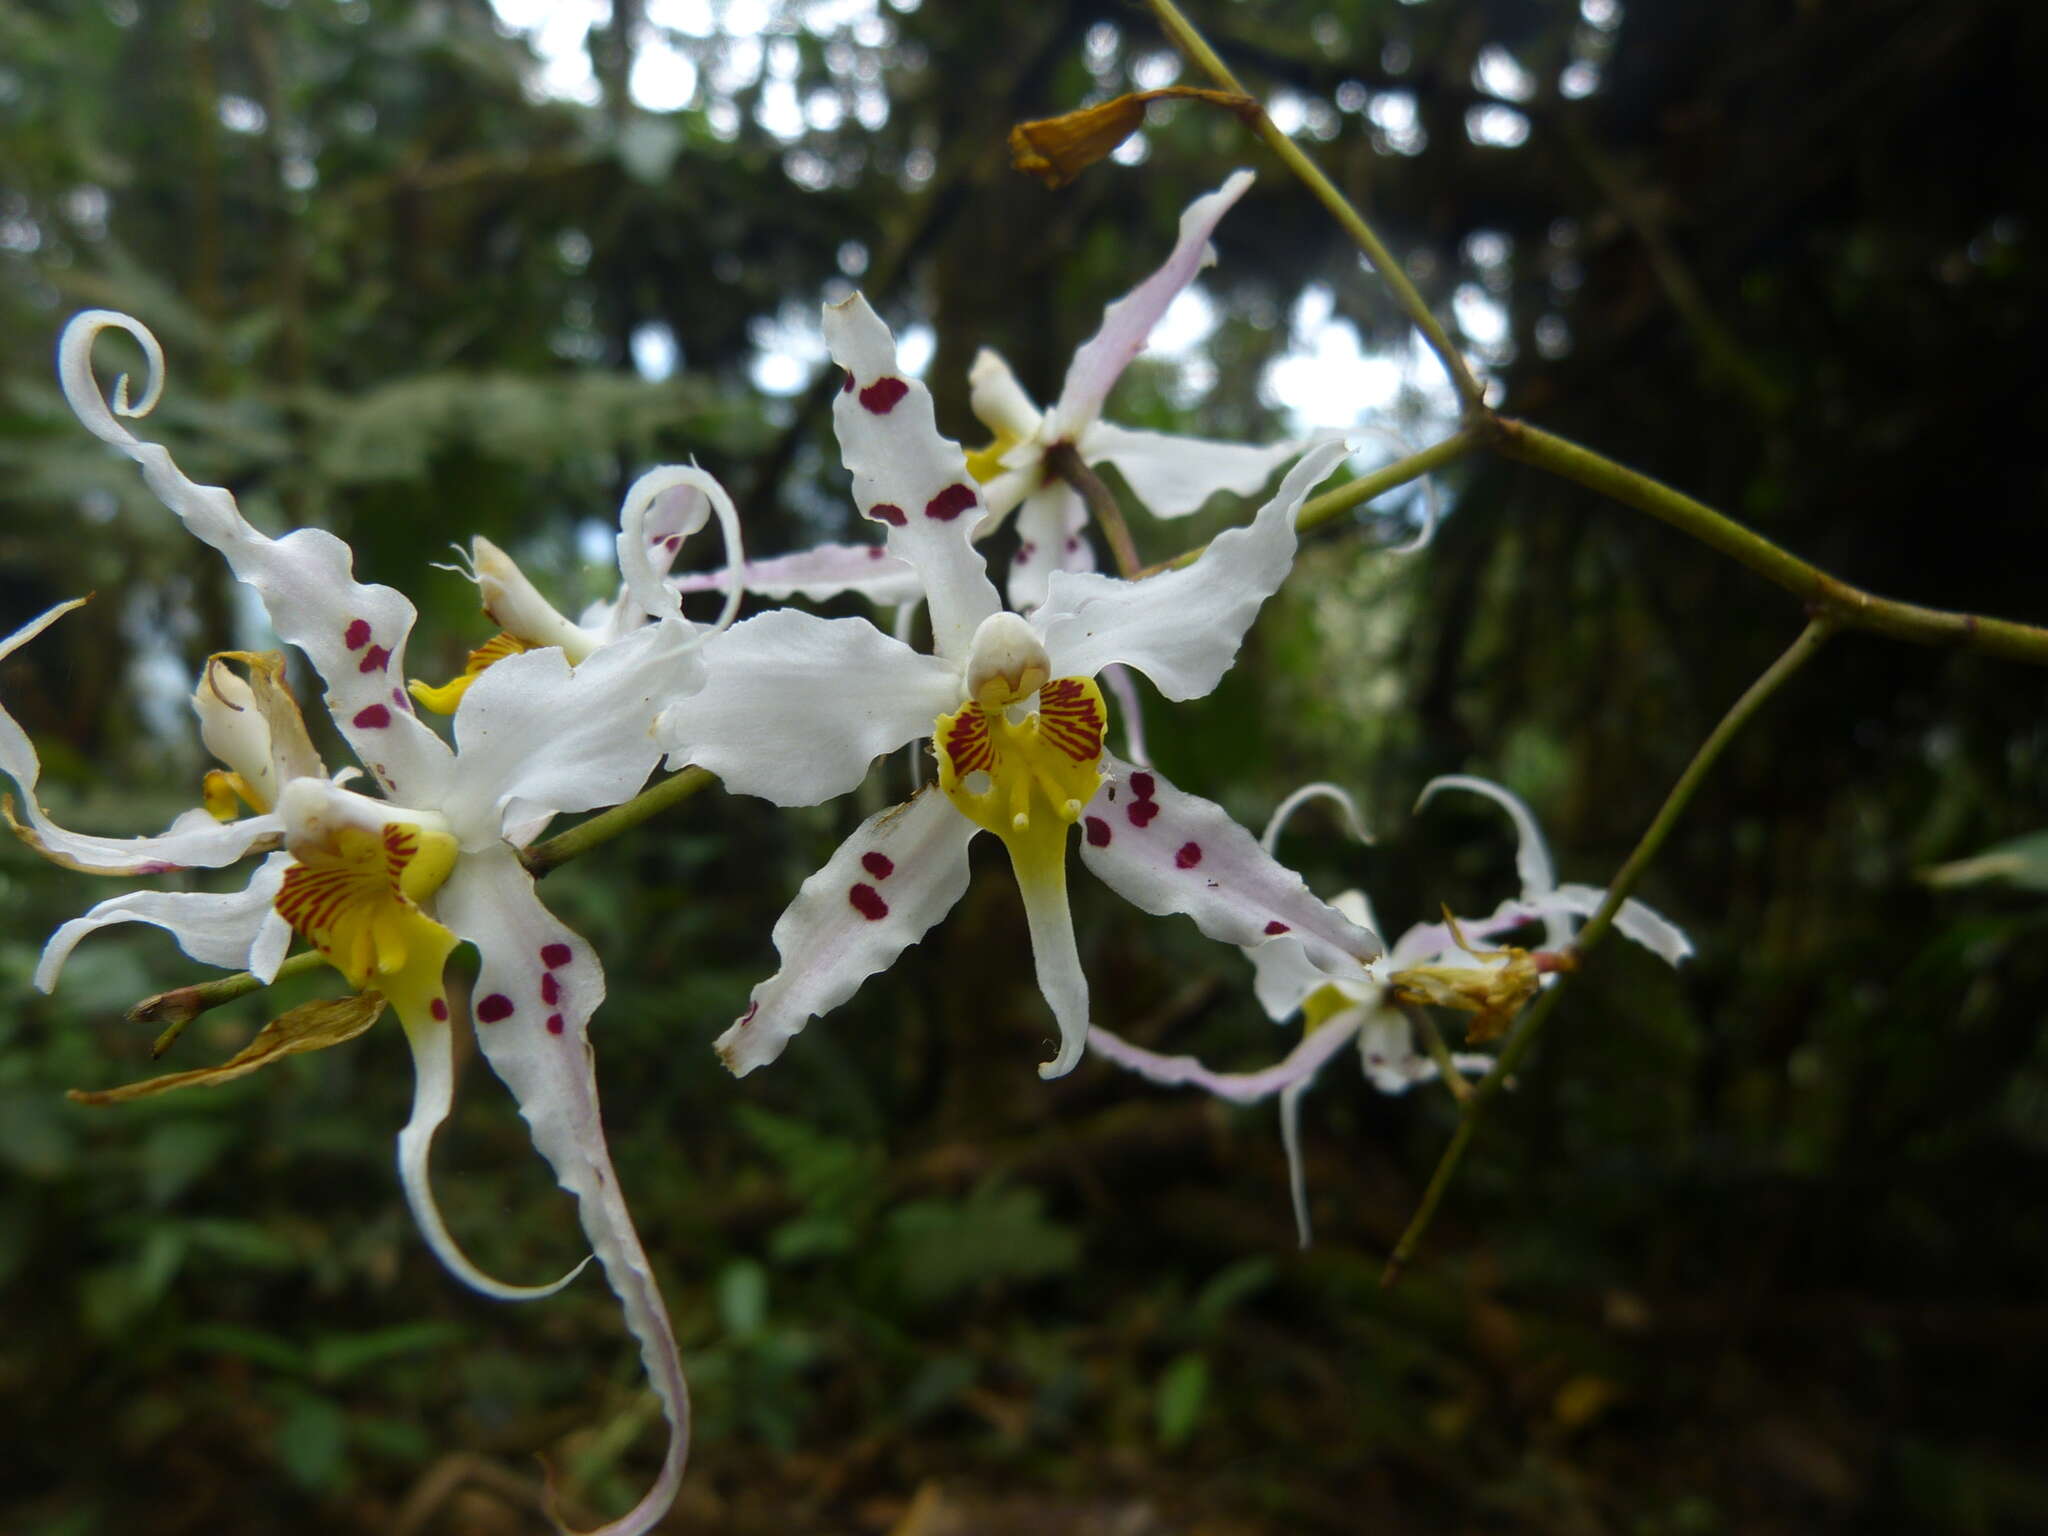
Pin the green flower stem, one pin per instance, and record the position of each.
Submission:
(1826, 596)
(181, 1005)
(1196, 47)
(1519, 1045)
(1331, 505)
(1065, 461)
(606, 825)
(1423, 1022)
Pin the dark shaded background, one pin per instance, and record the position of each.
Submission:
(1755, 1248)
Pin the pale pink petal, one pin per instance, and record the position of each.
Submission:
(906, 476)
(1056, 960)
(533, 734)
(237, 930)
(1182, 628)
(433, 1091)
(795, 708)
(1130, 710)
(1052, 529)
(1532, 857)
(901, 871)
(1172, 476)
(1386, 1049)
(354, 634)
(866, 570)
(661, 508)
(1283, 976)
(1002, 495)
(997, 399)
(1433, 942)
(1635, 921)
(1297, 1166)
(537, 986)
(1297, 1068)
(1129, 320)
(1165, 850)
(1321, 789)
(194, 840)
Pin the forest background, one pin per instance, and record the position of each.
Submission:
(1758, 1246)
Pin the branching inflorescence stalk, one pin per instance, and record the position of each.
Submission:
(1832, 603)
(1597, 927)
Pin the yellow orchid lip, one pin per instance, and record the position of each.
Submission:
(443, 700)
(1045, 759)
(356, 894)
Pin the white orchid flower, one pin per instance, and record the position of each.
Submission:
(661, 511)
(387, 888)
(796, 708)
(1170, 474)
(1430, 963)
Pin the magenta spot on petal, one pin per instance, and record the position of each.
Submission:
(1141, 812)
(845, 388)
(555, 1025)
(1142, 785)
(1097, 830)
(672, 543)
(400, 701)
(880, 865)
(882, 395)
(550, 989)
(874, 551)
(950, 503)
(438, 1008)
(155, 867)
(1276, 926)
(373, 718)
(867, 901)
(493, 1008)
(1072, 545)
(748, 1017)
(888, 512)
(375, 659)
(552, 955)
(1189, 856)
(1026, 550)
(357, 635)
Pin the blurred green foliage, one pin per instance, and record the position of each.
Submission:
(1756, 1247)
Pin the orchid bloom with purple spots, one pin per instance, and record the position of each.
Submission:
(796, 708)
(1170, 474)
(386, 888)
(662, 510)
(1420, 967)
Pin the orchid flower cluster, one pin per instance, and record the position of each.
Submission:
(387, 867)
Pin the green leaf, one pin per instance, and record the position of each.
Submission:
(335, 1355)
(1226, 1288)
(2023, 861)
(743, 1298)
(312, 1441)
(944, 1247)
(177, 1152)
(245, 1344)
(1177, 1406)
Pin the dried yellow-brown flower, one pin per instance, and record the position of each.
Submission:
(1057, 149)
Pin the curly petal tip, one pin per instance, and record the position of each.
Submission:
(82, 390)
